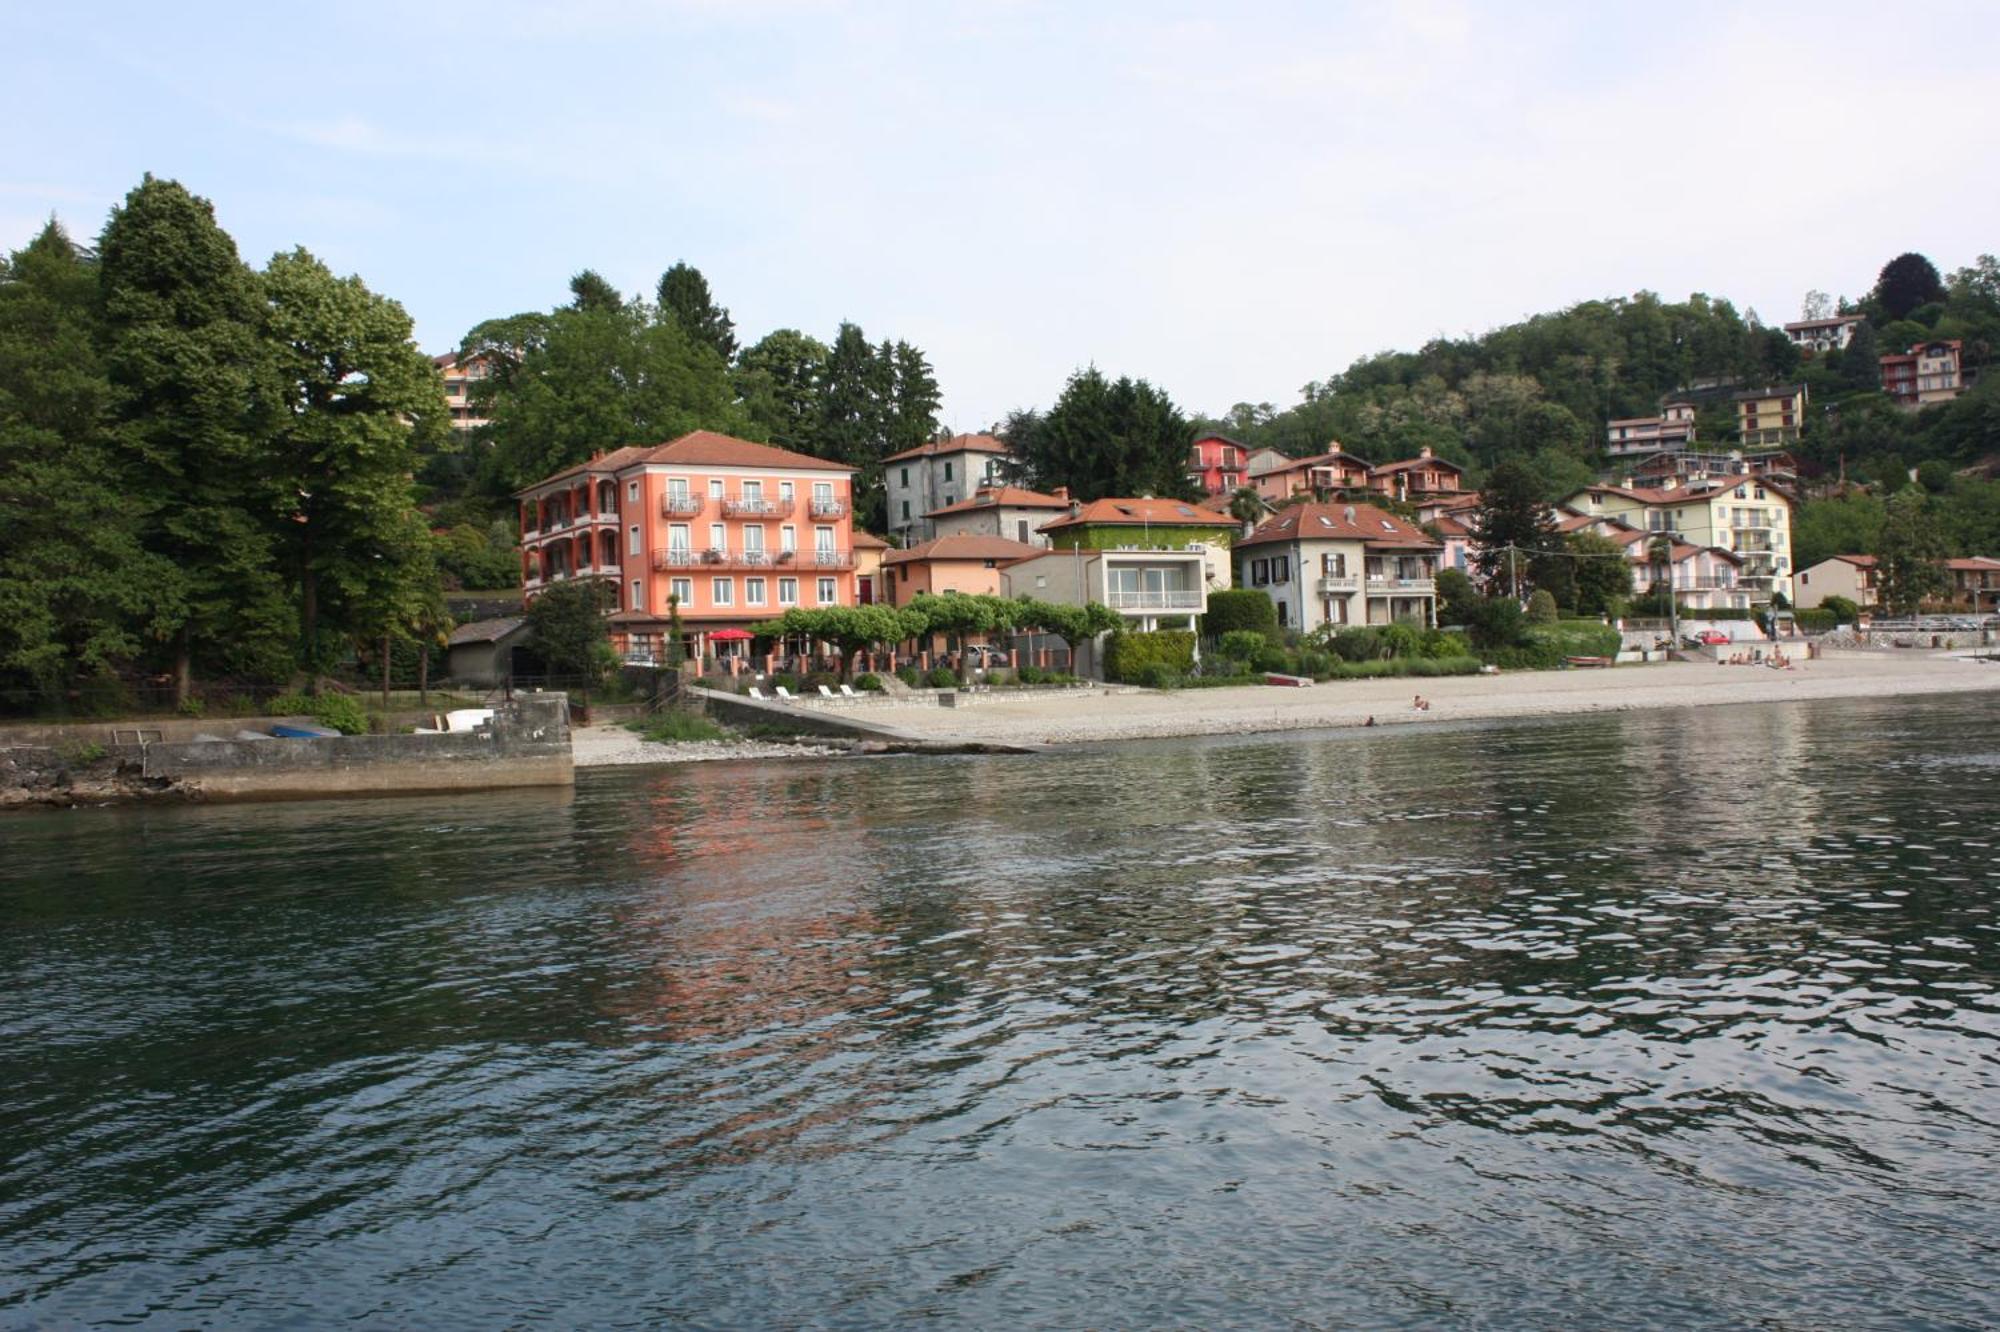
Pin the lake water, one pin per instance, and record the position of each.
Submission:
(1669, 1019)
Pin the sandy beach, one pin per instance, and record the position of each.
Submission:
(1095, 716)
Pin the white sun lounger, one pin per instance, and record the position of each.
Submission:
(846, 692)
(824, 692)
(785, 694)
(759, 694)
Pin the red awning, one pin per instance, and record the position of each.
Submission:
(730, 636)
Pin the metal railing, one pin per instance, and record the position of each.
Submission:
(1164, 600)
(680, 506)
(828, 509)
(756, 508)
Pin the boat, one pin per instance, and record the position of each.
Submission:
(301, 731)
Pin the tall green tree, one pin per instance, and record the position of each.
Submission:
(1861, 360)
(1907, 282)
(355, 397)
(1513, 531)
(913, 399)
(855, 389)
(1603, 577)
(79, 594)
(778, 380)
(685, 298)
(591, 293)
(1909, 554)
(1104, 437)
(183, 343)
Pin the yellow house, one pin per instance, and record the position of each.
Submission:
(1769, 416)
(1749, 517)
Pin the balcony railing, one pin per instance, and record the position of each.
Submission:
(1415, 587)
(828, 509)
(680, 506)
(756, 508)
(1333, 583)
(717, 557)
(1166, 600)
(827, 559)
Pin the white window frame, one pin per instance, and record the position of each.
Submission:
(722, 591)
(632, 540)
(829, 591)
(683, 588)
(753, 592)
(638, 602)
(788, 591)
(788, 537)
(715, 488)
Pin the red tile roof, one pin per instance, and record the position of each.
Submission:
(861, 540)
(1340, 522)
(964, 548)
(955, 444)
(1409, 463)
(699, 448)
(1137, 513)
(996, 497)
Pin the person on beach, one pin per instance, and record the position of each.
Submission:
(1421, 705)
(1370, 721)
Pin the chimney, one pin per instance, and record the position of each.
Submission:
(1424, 452)
(1333, 446)
(1061, 492)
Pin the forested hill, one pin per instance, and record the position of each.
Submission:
(1542, 390)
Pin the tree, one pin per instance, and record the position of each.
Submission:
(911, 418)
(1496, 622)
(592, 294)
(1843, 609)
(1455, 595)
(568, 624)
(1817, 305)
(684, 298)
(1512, 529)
(78, 592)
(1237, 609)
(183, 344)
(1074, 625)
(1246, 506)
(354, 396)
(1849, 525)
(1104, 438)
(1906, 282)
(854, 391)
(851, 629)
(778, 380)
(1541, 607)
(1909, 554)
(1603, 577)
(956, 615)
(1860, 360)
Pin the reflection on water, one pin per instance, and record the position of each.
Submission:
(1669, 1019)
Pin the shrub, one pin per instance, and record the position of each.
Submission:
(818, 678)
(1843, 609)
(1400, 640)
(342, 712)
(1818, 620)
(1273, 659)
(868, 683)
(1127, 654)
(1156, 675)
(1029, 675)
(908, 675)
(1319, 665)
(1241, 644)
(1579, 638)
(677, 727)
(1439, 645)
(1239, 609)
(1542, 607)
(942, 677)
(1496, 622)
(191, 707)
(1356, 644)
(787, 679)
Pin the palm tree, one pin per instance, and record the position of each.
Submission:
(1246, 506)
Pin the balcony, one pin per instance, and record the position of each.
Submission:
(679, 506)
(820, 508)
(756, 508)
(717, 557)
(1171, 599)
(827, 559)
(1338, 584)
(1402, 587)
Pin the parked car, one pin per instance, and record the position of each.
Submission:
(985, 657)
(1709, 638)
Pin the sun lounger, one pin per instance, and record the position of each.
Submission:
(785, 695)
(824, 692)
(759, 694)
(847, 692)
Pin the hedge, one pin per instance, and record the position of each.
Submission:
(1239, 608)
(1127, 655)
(1818, 620)
(1422, 667)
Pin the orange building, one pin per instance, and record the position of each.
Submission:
(737, 532)
(969, 564)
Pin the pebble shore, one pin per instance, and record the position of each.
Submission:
(614, 746)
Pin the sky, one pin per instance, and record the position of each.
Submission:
(1228, 200)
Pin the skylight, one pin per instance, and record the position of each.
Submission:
(1388, 526)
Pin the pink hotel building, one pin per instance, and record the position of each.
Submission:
(738, 532)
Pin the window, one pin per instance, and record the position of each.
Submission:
(718, 537)
(632, 539)
(823, 540)
(1021, 531)
(1281, 570)
(753, 591)
(681, 590)
(677, 490)
(906, 511)
(753, 492)
(715, 488)
(677, 537)
(788, 591)
(947, 471)
(788, 538)
(753, 539)
(632, 492)
(784, 492)
(722, 591)
(829, 591)
(638, 601)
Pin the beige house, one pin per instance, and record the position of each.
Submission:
(1850, 576)
(968, 564)
(1009, 512)
(1671, 431)
(868, 552)
(938, 475)
(1749, 517)
(1766, 417)
(1341, 564)
(1152, 588)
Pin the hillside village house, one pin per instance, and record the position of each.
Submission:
(969, 564)
(1425, 476)
(1767, 417)
(1001, 511)
(1850, 576)
(1148, 525)
(1975, 583)
(1817, 336)
(1332, 470)
(1216, 464)
(738, 532)
(1750, 519)
(938, 475)
(1702, 577)
(1925, 375)
(1341, 564)
(1672, 431)
(459, 375)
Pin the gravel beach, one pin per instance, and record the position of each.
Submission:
(1146, 714)
(614, 746)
